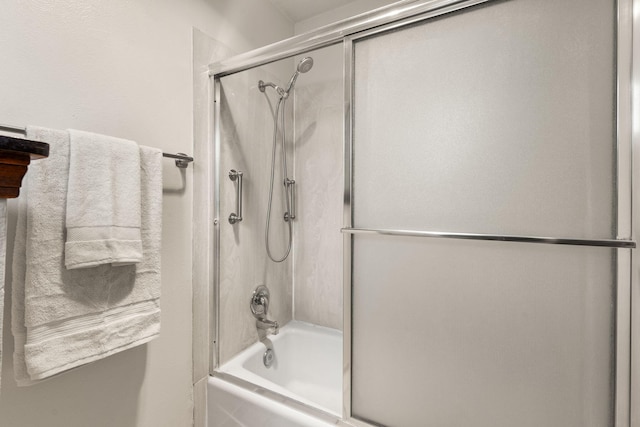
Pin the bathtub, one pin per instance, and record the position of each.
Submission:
(301, 388)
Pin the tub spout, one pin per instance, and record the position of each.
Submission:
(259, 307)
(266, 324)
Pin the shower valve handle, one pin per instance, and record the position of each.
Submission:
(236, 216)
(260, 302)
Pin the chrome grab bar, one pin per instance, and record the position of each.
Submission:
(236, 216)
(290, 184)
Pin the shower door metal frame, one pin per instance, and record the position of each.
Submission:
(623, 412)
(624, 225)
(214, 314)
(407, 12)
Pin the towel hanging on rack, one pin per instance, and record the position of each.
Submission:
(103, 201)
(182, 160)
(61, 318)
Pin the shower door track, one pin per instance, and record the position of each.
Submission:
(606, 243)
(400, 13)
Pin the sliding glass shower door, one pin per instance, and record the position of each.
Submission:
(481, 138)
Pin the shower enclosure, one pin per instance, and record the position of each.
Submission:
(462, 213)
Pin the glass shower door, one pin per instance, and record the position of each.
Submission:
(497, 122)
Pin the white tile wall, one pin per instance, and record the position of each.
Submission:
(247, 131)
(308, 285)
(320, 181)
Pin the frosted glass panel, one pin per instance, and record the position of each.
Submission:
(497, 119)
(485, 334)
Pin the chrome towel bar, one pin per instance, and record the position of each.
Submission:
(182, 160)
(607, 243)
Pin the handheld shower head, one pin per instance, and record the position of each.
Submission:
(303, 66)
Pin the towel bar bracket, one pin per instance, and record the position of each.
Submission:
(182, 160)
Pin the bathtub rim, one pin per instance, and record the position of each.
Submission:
(287, 401)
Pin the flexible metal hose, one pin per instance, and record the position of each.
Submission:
(279, 116)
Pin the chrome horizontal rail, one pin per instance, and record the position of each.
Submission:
(606, 243)
(182, 160)
(13, 129)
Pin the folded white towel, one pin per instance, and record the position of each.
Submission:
(3, 253)
(65, 318)
(103, 201)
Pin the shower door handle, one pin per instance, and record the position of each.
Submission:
(237, 215)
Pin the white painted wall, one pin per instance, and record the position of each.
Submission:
(347, 10)
(122, 68)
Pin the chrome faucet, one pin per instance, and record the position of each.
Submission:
(267, 324)
(259, 307)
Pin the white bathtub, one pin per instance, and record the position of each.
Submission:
(307, 369)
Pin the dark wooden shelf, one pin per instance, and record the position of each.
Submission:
(15, 156)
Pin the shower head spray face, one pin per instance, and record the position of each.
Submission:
(303, 66)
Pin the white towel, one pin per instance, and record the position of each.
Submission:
(103, 201)
(3, 253)
(61, 318)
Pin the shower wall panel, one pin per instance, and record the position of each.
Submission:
(320, 181)
(246, 143)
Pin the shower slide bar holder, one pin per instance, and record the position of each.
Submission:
(182, 160)
(607, 243)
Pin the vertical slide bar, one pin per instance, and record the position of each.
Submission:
(291, 189)
(623, 206)
(347, 222)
